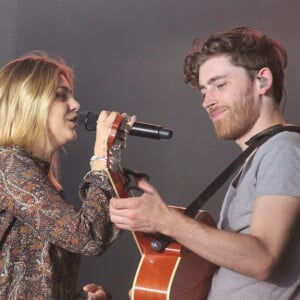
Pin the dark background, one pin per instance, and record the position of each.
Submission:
(128, 56)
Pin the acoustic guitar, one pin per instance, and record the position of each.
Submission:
(174, 273)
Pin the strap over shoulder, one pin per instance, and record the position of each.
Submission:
(271, 131)
(162, 241)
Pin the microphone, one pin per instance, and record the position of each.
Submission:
(88, 121)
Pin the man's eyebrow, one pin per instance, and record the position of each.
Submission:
(212, 80)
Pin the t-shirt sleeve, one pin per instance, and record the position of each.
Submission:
(278, 170)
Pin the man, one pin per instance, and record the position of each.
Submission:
(240, 74)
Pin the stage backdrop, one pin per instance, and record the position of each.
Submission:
(128, 56)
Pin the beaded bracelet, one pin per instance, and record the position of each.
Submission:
(95, 157)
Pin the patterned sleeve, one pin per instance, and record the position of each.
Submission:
(29, 196)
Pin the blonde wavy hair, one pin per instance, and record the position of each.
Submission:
(27, 88)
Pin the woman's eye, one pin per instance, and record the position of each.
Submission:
(62, 96)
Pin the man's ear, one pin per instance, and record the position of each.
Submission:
(264, 80)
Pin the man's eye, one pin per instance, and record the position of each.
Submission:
(202, 93)
(221, 85)
(202, 96)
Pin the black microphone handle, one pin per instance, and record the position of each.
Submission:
(88, 121)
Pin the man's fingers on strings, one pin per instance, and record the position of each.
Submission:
(144, 185)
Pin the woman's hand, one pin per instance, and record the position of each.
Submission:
(105, 123)
(96, 292)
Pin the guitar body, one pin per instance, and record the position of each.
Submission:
(173, 274)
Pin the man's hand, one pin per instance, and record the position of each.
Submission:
(146, 213)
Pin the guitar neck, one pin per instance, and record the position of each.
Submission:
(119, 183)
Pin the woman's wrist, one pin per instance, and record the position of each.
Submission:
(98, 162)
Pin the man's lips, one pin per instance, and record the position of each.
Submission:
(217, 113)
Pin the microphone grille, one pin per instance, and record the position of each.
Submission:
(88, 120)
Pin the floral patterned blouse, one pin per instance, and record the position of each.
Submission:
(41, 235)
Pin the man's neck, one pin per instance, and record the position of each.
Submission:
(260, 125)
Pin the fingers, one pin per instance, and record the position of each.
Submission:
(130, 293)
(95, 292)
(106, 120)
(104, 126)
(110, 116)
(146, 187)
(107, 116)
(132, 120)
(123, 203)
(122, 212)
(133, 202)
(138, 213)
(92, 287)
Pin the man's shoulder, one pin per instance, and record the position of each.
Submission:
(285, 139)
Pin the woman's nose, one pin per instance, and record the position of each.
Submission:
(74, 105)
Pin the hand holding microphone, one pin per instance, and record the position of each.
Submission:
(88, 121)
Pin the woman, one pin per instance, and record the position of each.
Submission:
(42, 235)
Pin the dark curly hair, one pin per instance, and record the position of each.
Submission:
(247, 48)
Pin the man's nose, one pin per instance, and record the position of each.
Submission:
(209, 99)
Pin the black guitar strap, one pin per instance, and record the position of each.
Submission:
(162, 241)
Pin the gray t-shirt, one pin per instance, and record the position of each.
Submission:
(273, 170)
